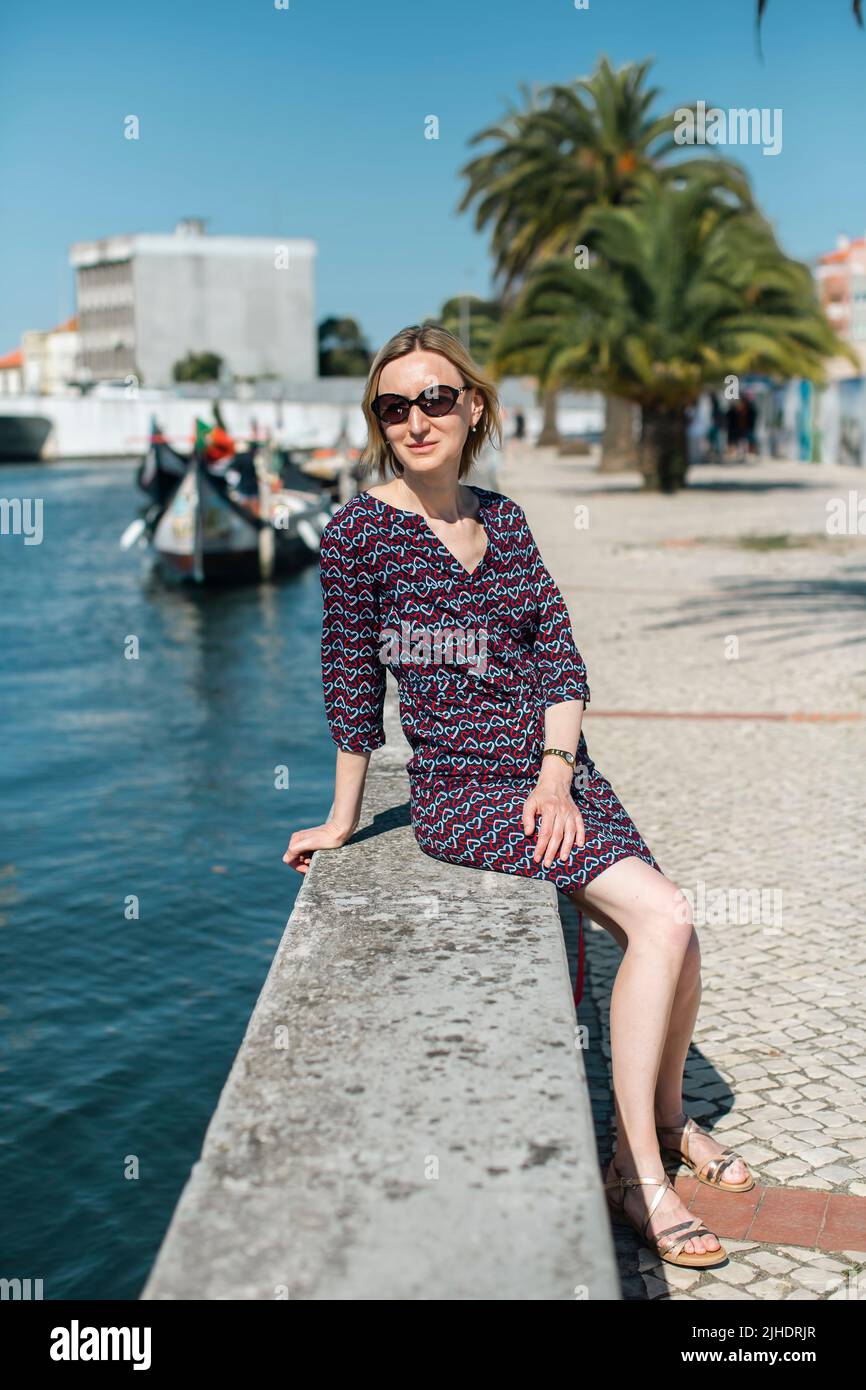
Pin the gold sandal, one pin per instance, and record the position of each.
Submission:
(709, 1172)
(664, 1244)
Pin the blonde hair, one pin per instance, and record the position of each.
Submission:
(377, 452)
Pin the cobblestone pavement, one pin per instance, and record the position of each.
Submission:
(759, 819)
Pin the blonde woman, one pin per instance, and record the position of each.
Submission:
(501, 777)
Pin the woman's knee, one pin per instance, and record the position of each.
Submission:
(668, 916)
(647, 906)
(684, 930)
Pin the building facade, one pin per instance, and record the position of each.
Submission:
(12, 373)
(51, 358)
(841, 280)
(46, 364)
(147, 300)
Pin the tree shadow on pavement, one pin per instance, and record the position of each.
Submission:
(822, 614)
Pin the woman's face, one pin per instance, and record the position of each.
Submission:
(423, 443)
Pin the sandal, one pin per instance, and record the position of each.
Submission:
(664, 1244)
(709, 1172)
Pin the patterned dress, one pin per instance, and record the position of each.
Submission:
(478, 657)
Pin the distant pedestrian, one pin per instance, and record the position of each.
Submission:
(714, 433)
(751, 419)
(737, 422)
(732, 428)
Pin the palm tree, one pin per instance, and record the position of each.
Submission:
(856, 6)
(481, 316)
(572, 149)
(687, 286)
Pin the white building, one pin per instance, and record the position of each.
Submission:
(12, 373)
(51, 358)
(146, 300)
(46, 364)
(841, 279)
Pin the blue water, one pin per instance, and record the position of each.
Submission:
(152, 777)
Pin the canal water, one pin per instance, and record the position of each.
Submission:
(142, 889)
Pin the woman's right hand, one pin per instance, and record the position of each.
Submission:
(304, 843)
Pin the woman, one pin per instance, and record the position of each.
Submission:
(443, 583)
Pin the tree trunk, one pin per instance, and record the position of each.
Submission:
(619, 445)
(664, 456)
(549, 432)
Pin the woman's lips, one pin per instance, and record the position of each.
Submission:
(418, 448)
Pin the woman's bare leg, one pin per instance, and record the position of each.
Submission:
(681, 1028)
(654, 919)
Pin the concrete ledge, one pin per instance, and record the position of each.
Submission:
(407, 1116)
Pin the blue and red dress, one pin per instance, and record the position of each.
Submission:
(478, 657)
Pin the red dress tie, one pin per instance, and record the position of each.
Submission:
(578, 984)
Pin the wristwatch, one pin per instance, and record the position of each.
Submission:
(560, 753)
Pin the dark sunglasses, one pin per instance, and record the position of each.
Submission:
(433, 400)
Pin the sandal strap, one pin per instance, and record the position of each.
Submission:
(662, 1239)
(661, 1183)
(714, 1166)
(674, 1247)
(687, 1127)
(636, 1182)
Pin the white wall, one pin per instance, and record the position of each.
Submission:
(85, 427)
(257, 317)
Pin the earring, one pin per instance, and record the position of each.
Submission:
(472, 431)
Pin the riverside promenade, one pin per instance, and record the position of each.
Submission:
(724, 635)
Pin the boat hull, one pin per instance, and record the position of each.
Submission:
(203, 537)
(22, 437)
(232, 567)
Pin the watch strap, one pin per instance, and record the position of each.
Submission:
(560, 753)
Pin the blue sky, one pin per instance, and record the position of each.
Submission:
(309, 122)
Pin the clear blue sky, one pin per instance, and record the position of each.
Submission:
(309, 122)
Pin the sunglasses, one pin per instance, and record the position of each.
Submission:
(433, 400)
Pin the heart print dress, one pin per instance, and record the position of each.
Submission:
(478, 656)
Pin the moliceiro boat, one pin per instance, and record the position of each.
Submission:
(227, 514)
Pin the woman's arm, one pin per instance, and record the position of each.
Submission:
(562, 729)
(565, 690)
(350, 775)
(562, 825)
(353, 673)
(343, 817)
(353, 682)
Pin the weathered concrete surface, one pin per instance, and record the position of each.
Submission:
(407, 1116)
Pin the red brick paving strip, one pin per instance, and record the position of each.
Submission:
(780, 1215)
(797, 716)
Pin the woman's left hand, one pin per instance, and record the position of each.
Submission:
(561, 822)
